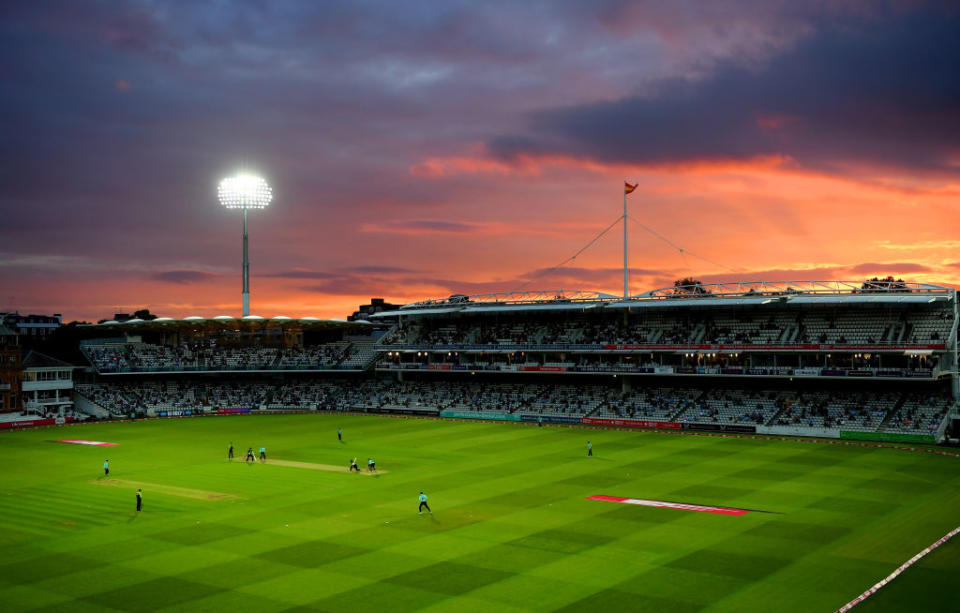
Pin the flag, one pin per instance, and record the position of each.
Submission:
(627, 188)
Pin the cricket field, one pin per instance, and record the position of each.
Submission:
(512, 527)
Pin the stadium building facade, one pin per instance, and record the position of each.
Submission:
(11, 370)
(835, 359)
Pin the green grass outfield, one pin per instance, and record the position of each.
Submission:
(510, 531)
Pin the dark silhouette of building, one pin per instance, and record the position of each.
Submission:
(377, 305)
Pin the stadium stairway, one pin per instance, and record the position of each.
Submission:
(893, 411)
(784, 409)
(700, 399)
(88, 406)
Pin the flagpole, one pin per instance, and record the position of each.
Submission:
(626, 278)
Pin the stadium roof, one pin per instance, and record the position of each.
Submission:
(226, 321)
(35, 359)
(701, 295)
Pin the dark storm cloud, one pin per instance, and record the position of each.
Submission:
(883, 91)
(128, 112)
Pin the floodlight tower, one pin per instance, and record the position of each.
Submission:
(245, 191)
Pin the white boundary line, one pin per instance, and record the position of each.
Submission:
(896, 573)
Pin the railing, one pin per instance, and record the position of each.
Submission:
(739, 289)
(941, 431)
(251, 369)
(645, 347)
(783, 371)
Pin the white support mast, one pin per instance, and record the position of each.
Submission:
(626, 269)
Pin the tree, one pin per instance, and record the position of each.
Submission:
(887, 284)
(144, 314)
(690, 287)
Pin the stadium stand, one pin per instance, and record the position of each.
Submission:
(134, 357)
(919, 412)
(851, 410)
(853, 328)
(826, 358)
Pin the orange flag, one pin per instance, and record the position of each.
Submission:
(627, 188)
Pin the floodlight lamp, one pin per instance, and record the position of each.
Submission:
(244, 192)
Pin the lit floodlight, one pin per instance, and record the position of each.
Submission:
(245, 192)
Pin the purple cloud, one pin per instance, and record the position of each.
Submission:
(882, 91)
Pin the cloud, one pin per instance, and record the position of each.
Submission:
(951, 244)
(476, 228)
(184, 277)
(568, 278)
(300, 274)
(340, 272)
(880, 91)
(379, 270)
(882, 267)
(388, 122)
(354, 286)
(423, 226)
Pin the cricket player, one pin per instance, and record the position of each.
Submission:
(353, 465)
(139, 499)
(106, 468)
(340, 434)
(250, 457)
(230, 451)
(589, 449)
(423, 504)
(371, 466)
(263, 453)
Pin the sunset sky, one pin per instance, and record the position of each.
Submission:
(421, 149)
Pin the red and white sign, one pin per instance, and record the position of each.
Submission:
(76, 441)
(30, 423)
(681, 506)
